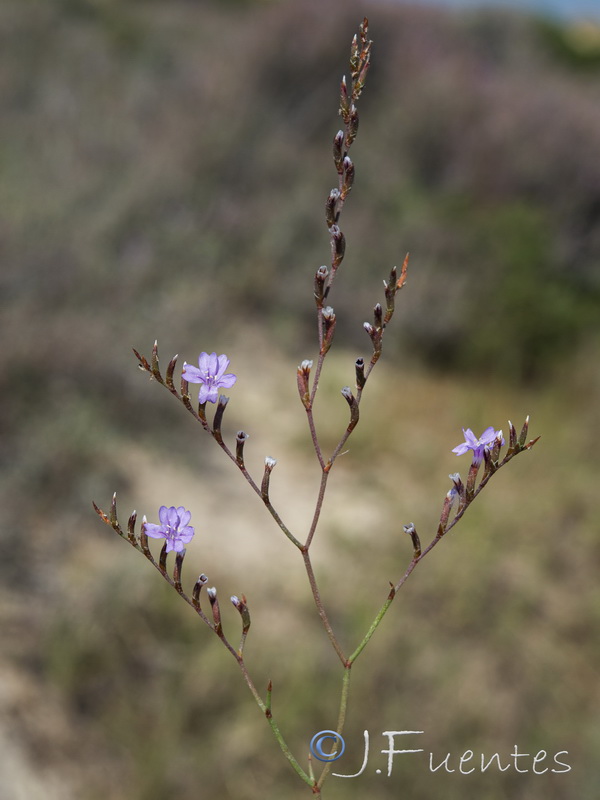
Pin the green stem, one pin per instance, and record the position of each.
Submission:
(341, 718)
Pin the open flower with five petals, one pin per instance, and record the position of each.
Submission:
(210, 374)
(173, 528)
(478, 446)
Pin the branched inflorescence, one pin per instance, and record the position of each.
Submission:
(211, 375)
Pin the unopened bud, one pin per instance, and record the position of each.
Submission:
(344, 100)
(348, 173)
(378, 316)
(216, 611)
(264, 489)
(329, 319)
(244, 613)
(524, 432)
(218, 418)
(360, 373)
(512, 441)
(412, 532)
(338, 246)
(202, 580)
(352, 126)
(331, 215)
(302, 375)
(448, 503)
(240, 441)
(338, 154)
(353, 403)
(320, 279)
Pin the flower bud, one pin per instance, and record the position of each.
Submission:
(512, 433)
(360, 373)
(320, 279)
(218, 418)
(216, 611)
(338, 246)
(344, 100)
(240, 441)
(524, 432)
(378, 316)
(446, 508)
(348, 174)
(352, 126)
(412, 532)
(330, 320)
(302, 375)
(269, 466)
(338, 154)
(202, 581)
(331, 215)
(352, 402)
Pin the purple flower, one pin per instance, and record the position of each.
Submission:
(477, 445)
(210, 373)
(173, 527)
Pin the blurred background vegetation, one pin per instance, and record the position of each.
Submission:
(164, 169)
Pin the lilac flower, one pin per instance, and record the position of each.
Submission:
(173, 527)
(477, 445)
(210, 373)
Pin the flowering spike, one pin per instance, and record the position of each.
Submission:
(412, 532)
(202, 580)
(359, 365)
(240, 441)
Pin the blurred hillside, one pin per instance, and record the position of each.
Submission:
(164, 170)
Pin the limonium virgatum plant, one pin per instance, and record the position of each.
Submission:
(211, 375)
